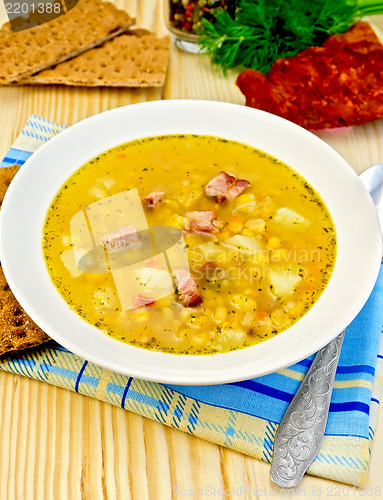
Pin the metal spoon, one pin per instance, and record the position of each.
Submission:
(301, 431)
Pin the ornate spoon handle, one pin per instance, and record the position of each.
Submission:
(301, 431)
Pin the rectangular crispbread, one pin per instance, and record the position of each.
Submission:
(137, 58)
(17, 330)
(88, 24)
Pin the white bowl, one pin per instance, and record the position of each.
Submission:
(30, 194)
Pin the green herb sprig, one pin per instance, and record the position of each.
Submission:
(265, 30)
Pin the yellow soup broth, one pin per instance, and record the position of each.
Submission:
(265, 264)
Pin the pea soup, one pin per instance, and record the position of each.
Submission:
(189, 244)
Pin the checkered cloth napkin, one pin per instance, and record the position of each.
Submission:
(244, 415)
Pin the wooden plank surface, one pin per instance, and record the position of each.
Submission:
(59, 445)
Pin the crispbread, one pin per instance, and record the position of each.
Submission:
(6, 176)
(88, 24)
(17, 330)
(137, 58)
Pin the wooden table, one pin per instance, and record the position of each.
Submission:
(56, 444)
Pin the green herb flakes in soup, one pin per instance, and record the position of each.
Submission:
(188, 244)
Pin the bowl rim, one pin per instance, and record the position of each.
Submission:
(21, 264)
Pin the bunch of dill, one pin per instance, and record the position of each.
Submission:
(265, 30)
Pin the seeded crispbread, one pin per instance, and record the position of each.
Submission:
(137, 58)
(17, 330)
(88, 24)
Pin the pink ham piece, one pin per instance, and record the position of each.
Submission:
(187, 288)
(152, 199)
(208, 269)
(143, 300)
(226, 187)
(123, 237)
(202, 221)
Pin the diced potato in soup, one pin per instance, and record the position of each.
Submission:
(283, 281)
(153, 279)
(290, 218)
(250, 245)
(245, 243)
(69, 260)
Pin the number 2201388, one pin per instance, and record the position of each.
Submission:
(40, 8)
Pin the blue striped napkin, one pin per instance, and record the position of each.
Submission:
(244, 415)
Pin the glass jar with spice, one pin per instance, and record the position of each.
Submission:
(184, 19)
